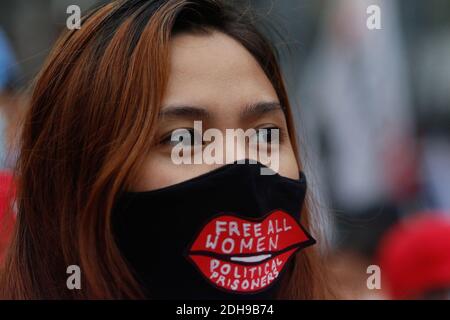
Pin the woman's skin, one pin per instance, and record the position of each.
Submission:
(216, 80)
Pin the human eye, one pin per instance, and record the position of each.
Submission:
(186, 137)
(269, 134)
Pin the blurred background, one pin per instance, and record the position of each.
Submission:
(373, 114)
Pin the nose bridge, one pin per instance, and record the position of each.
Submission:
(239, 144)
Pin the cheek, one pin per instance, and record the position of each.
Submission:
(288, 163)
(155, 173)
(158, 171)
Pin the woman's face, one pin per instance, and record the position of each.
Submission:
(215, 80)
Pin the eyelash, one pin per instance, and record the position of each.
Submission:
(167, 138)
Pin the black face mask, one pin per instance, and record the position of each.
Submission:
(228, 234)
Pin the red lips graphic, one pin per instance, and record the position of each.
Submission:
(247, 256)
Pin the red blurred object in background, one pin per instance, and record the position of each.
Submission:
(415, 257)
(7, 216)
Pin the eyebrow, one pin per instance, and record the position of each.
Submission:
(184, 111)
(253, 110)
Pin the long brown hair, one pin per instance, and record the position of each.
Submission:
(92, 118)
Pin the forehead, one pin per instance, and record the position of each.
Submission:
(215, 72)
